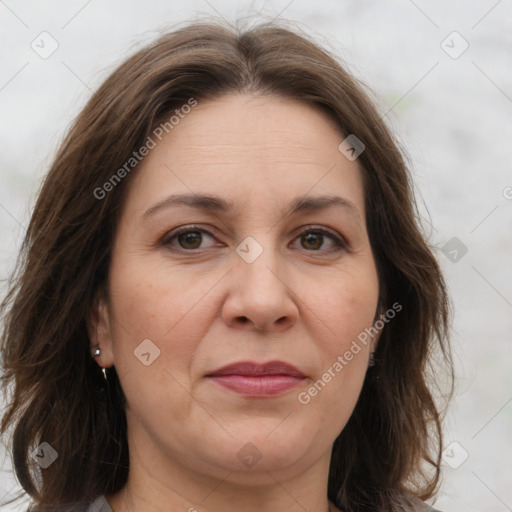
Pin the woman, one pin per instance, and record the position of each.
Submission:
(226, 302)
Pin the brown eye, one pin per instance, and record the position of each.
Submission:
(187, 239)
(314, 239)
(190, 240)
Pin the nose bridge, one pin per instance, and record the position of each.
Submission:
(258, 293)
(258, 262)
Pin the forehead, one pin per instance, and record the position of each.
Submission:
(241, 147)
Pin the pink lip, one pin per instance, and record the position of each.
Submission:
(254, 379)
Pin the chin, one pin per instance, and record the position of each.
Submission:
(258, 453)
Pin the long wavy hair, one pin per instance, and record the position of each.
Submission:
(55, 392)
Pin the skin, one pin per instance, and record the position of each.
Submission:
(302, 301)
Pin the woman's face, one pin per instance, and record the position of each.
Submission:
(265, 271)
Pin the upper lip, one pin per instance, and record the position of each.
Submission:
(255, 369)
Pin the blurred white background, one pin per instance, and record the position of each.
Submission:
(450, 105)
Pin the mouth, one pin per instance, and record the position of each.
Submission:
(249, 378)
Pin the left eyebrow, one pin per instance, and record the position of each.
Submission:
(306, 204)
(217, 204)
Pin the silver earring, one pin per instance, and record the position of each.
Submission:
(97, 352)
(371, 361)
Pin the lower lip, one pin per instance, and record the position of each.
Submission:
(264, 385)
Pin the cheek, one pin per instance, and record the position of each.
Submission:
(349, 305)
(347, 309)
(332, 394)
(152, 302)
(148, 303)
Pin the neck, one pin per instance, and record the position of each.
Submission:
(157, 485)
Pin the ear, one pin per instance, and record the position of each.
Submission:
(98, 327)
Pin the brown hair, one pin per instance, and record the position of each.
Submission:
(391, 446)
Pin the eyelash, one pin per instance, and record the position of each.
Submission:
(339, 243)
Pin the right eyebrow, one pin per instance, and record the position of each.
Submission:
(198, 201)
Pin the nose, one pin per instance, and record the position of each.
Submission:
(260, 298)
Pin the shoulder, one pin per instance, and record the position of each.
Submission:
(409, 503)
(99, 504)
